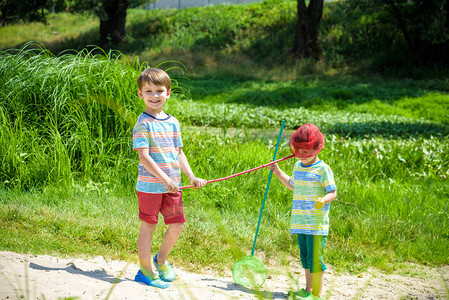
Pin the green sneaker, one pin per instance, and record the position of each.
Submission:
(166, 272)
(152, 280)
(299, 295)
(303, 293)
(291, 295)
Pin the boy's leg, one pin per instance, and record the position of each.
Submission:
(308, 281)
(145, 274)
(168, 241)
(304, 253)
(149, 206)
(318, 266)
(317, 283)
(164, 269)
(173, 211)
(144, 247)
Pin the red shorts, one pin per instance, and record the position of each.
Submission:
(168, 204)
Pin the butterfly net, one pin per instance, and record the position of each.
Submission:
(249, 272)
(307, 137)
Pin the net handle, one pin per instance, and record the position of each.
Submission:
(241, 173)
(268, 185)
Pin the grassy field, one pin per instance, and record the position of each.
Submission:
(68, 170)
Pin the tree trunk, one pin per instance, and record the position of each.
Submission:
(4, 14)
(306, 42)
(411, 42)
(112, 22)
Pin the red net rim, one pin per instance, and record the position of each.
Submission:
(307, 137)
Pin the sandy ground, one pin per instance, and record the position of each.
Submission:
(48, 277)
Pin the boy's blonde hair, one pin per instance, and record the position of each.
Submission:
(154, 76)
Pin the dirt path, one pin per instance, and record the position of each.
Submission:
(48, 277)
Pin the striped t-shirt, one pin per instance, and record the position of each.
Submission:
(163, 138)
(310, 183)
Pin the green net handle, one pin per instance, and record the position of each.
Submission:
(268, 186)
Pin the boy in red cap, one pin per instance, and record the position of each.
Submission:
(313, 189)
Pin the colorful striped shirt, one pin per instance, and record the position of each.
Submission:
(163, 139)
(310, 183)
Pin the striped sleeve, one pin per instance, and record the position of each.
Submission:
(327, 180)
(178, 129)
(141, 136)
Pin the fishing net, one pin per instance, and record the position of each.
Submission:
(249, 272)
(307, 137)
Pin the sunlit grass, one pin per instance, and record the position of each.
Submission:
(430, 106)
(60, 28)
(385, 214)
(337, 95)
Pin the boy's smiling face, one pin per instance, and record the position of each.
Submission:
(154, 97)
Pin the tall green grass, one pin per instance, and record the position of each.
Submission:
(68, 116)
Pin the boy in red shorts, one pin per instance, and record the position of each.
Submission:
(157, 139)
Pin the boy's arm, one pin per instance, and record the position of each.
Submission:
(185, 167)
(284, 178)
(153, 168)
(326, 199)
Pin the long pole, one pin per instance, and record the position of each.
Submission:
(241, 173)
(268, 186)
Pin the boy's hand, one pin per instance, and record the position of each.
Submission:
(171, 186)
(319, 203)
(198, 182)
(273, 167)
